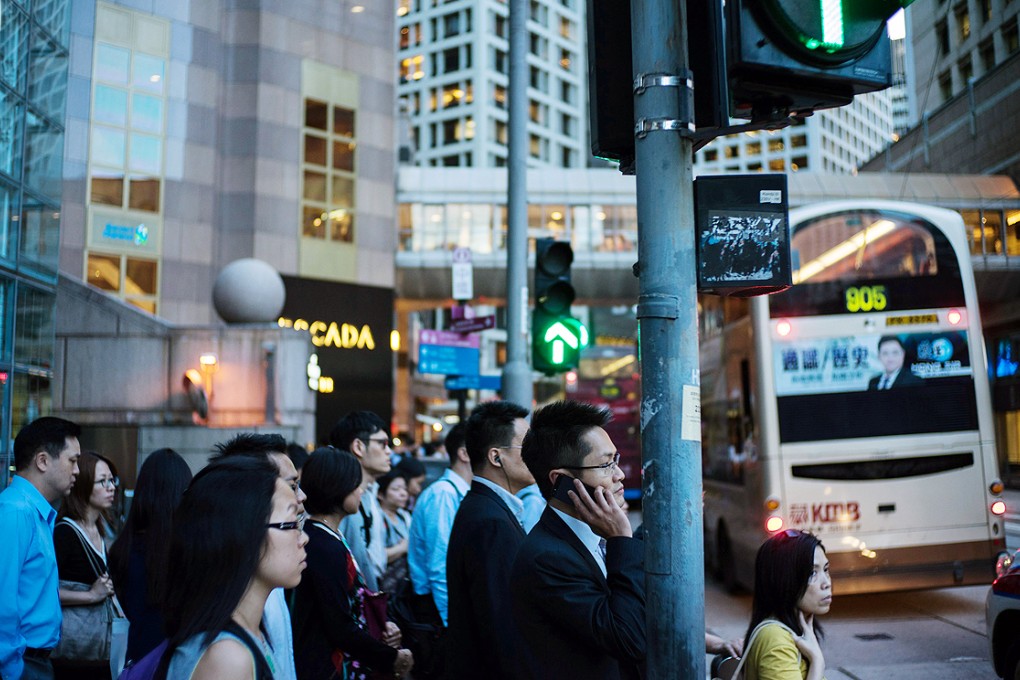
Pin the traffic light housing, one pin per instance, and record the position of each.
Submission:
(796, 56)
(556, 337)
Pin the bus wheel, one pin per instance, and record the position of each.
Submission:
(1011, 669)
(726, 569)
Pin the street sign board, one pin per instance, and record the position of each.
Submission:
(478, 323)
(474, 382)
(462, 274)
(447, 353)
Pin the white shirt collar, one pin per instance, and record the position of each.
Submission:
(515, 504)
(588, 538)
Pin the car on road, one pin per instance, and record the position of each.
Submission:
(1002, 616)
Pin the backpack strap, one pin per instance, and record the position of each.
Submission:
(460, 496)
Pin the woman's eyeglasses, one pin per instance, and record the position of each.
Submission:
(108, 482)
(298, 525)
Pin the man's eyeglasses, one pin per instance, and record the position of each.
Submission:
(606, 468)
(108, 483)
(299, 525)
(382, 441)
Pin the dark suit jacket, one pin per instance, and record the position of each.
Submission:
(903, 378)
(575, 622)
(481, 639)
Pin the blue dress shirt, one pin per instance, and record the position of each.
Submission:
(28, 570)
(534, 505)
(429, 538)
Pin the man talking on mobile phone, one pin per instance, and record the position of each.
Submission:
(578, 579)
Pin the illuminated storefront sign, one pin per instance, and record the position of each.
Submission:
(333, 334)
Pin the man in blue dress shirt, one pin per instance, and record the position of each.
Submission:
(433, 520)
(46, 455)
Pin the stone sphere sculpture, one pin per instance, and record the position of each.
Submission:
(249, 291)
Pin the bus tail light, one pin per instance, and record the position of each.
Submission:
(772, 504)
(997, 487)
(999, 507)
(954, 317)
(773, 524)
(783, 328)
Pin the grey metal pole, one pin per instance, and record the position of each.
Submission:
(517, 385)
(667, 315)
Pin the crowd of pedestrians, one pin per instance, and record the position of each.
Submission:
(271, 562)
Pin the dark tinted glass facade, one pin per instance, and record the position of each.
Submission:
(33, 95)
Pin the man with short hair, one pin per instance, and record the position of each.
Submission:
(487, 531)
(276, 616)
(434, 513)
(366, 435)
(891, 354)
(46, 455)
(578, 579)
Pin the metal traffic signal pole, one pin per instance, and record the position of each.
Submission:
(516, 372)
(668, 337)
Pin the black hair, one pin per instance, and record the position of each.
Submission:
(355, 425)
(297, 454)
(328, 478)
(891, 338)
(217, 540)
(556, 438)
(161, 482)
(251, 444)
(47, 434)
(781, 571)
(389, 478)
(76, 505)
(490, 425)
(409, 468)
(454, 440)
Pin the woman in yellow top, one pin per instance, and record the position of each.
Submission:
(792, 587)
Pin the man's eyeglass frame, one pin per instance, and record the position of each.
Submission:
(605, 467)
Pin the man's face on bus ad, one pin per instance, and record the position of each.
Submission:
(891, 354)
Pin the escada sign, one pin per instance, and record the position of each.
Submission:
(333, 334)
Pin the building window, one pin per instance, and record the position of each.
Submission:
(451, 25)
(753, 148)
(566, 124)
(1011, 37)
(946, 86)
(565, 61)
(963, 22)
(966, 70)
(328, 187)
(501, 132)
(566, 92)
(987, 54)
(412, 68)
(986, 11)
(777, 165)
(499, 62)
(566, 28)
(798, 163)
(942, 37)
(132, 278)
(797, 141)
(126, 156)
(499, 96)
(451, 60)
(500, 26)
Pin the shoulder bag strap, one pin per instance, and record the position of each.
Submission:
(89, 550)
(456, 490)
(750, 642)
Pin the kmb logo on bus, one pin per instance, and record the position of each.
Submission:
(801, 513)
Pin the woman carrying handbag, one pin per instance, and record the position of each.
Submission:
(86, 592)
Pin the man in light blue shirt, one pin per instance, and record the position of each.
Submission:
(534, 505)
(433, 519)
(46, 455)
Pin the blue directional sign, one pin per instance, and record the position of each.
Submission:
(448, 360)
(474, 382)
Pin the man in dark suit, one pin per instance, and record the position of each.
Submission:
(482, 641)
(578, 580)
(891, 353)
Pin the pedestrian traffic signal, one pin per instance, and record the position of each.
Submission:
(795, 56)
(556, 337)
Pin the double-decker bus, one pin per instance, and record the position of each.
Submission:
(856, 405)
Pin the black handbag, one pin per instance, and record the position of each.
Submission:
(86, 631)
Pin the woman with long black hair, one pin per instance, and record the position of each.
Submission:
(80, 546)
(138, 556)
(237, 534)
(331, 638)
(792, 588)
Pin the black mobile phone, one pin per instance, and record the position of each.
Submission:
(564, 484)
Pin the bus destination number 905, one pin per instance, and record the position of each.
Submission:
(865, 299)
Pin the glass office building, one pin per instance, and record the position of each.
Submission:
(33, 94)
